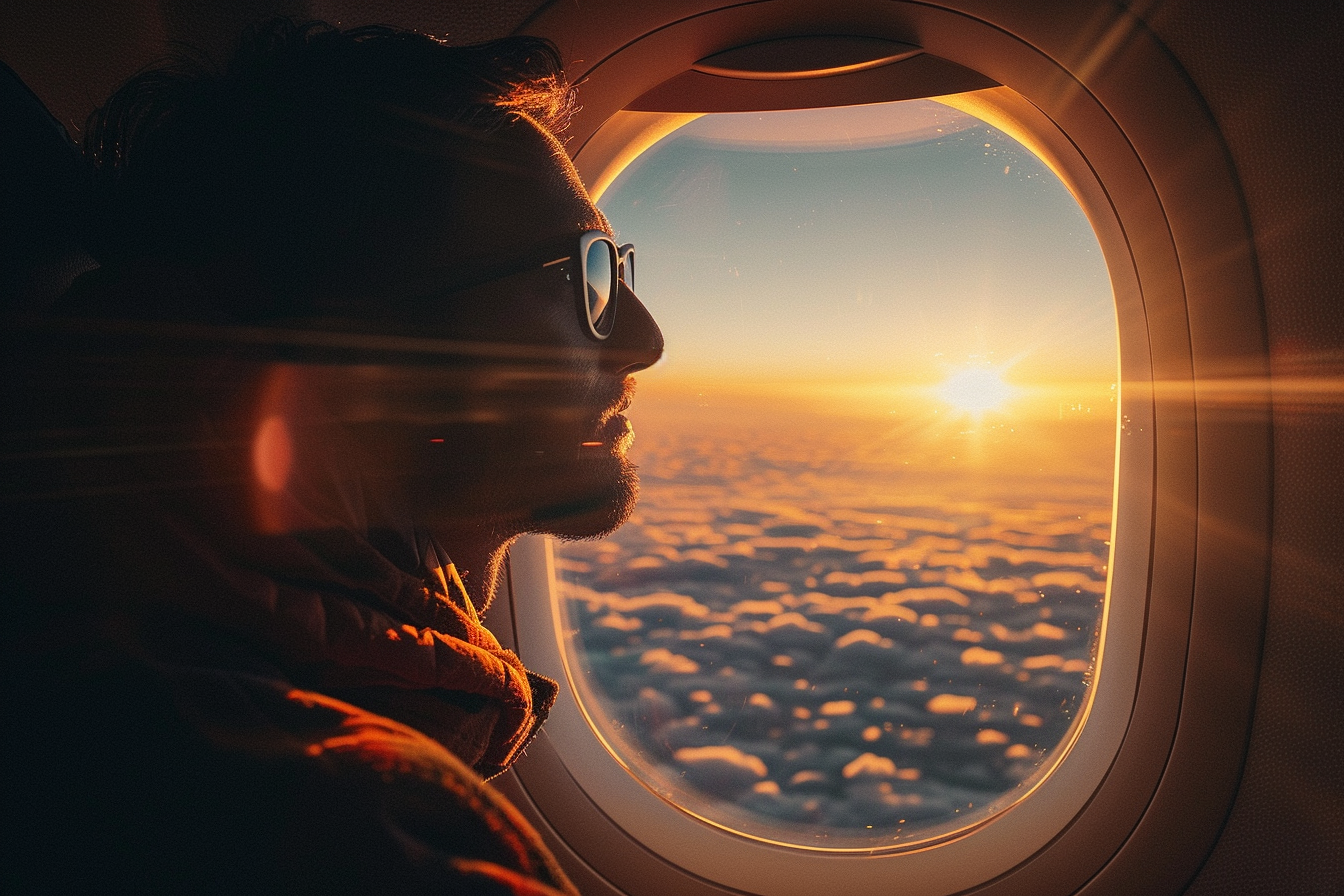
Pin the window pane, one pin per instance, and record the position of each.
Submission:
(859, 601)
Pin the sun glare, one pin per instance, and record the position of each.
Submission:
(976, 390)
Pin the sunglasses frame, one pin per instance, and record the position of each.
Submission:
(623, 266)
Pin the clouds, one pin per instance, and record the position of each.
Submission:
(803, 648)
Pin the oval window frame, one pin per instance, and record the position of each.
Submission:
(1142, 794)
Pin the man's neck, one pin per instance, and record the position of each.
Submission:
(479, 562)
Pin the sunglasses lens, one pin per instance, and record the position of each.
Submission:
(600, 286)
(627, 270)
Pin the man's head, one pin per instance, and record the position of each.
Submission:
(381, 183)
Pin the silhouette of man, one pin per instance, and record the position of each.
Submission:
(357, 327)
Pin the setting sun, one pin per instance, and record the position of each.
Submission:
(976, 390)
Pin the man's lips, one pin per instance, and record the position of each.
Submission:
(615, 435)
(613, 429)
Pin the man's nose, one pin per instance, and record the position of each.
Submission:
(635, 341)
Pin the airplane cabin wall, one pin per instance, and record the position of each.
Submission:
(1271, 76)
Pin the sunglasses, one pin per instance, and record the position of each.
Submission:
(602, 266)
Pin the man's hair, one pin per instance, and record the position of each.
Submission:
(278, 157)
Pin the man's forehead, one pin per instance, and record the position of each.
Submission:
(573, 184)
(518, 182)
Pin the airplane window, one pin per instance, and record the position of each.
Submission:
(860, 600)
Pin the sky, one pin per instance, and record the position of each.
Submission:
(876, 245)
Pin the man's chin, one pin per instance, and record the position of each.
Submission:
(595, 512)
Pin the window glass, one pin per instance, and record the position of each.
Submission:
(859, 601)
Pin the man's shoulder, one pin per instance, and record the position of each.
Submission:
(214, 781)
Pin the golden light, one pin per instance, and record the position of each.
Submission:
(976, 390)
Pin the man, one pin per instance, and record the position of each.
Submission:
(357, 327)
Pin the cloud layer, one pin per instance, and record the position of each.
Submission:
(821, 646)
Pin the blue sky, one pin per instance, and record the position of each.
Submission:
(767, 252)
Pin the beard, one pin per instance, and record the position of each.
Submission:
(572, 475)
(600, 505)
(505, 487)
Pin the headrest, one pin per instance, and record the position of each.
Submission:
(44, 193)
